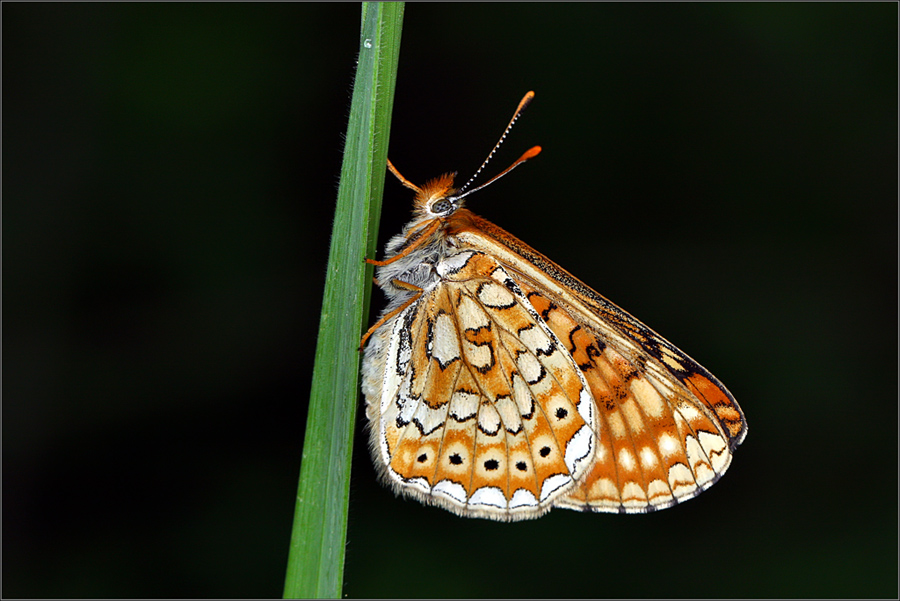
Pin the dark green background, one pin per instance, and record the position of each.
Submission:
(726, 172)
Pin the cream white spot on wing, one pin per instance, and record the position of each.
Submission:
(522, 396)
(633, 496)
(488, 420)
(605, 488)
(420, 484)
(407, 407)
(698, 461)
(444, 342)
(430, 419)
(522, 498)
(470, 315)
(478, 356)
(495, 295)
(616, 425)
(450, 265)
(681, 480)
(688, 412)
(536, 340)
(553, 484)
(716, 449)
(671, 359)
(579, 448)
(463, 405)
(383, 443)
(509, 414)
(529, 367)
(600, 453)
(450, 490)
(398, 354)
(648, 458)
(626, 460)
(704, 474)
(586, 406)
(645, 394)
(668, 445)
(490, 496)
(632, 415)
(402, 336)
(659, 493)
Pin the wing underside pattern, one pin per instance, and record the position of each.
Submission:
(488, 413)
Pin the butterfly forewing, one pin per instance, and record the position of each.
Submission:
(655, 444)
(665, 427)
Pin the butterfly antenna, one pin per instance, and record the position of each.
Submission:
(402, 179)
(533, 152)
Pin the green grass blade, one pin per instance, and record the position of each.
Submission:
(316, 558)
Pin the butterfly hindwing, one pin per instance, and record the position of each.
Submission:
(489, 414)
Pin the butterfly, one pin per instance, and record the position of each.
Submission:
(499, 386)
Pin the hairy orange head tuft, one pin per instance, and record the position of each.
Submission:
(439, 187)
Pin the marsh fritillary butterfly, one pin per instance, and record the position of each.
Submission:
(499, 386)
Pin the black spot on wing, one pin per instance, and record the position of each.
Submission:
(510, 284)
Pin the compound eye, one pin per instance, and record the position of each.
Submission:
(442, 206)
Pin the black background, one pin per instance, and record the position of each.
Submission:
(725, 172)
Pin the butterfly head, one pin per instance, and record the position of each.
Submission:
(436, 198)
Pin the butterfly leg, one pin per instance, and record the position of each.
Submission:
(399, 284)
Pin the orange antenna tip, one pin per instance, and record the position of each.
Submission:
(528, 154)
(531, 153)
(526, 100)
(522, 104)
